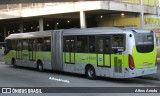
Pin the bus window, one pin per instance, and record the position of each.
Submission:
(25, 44)
(82, 44)
(69, 44)
(100, 45)
(30, 46)
(11, 45)
(47, 44)
(72, 45)
(91, 44)
(19, 45)
(66, 45)
(144, 42)
(35, 45)
(8, 46)
(40, 44)
(118, 43)
(107, 46)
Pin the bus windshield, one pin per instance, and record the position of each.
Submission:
(144, 42)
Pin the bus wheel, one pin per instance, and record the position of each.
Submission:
(40, 66)
(14, 63)
(90, 72)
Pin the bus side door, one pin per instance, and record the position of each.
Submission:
(19, 49)
(103, 51)
(117, 58)
(25, 53)
(69, 50)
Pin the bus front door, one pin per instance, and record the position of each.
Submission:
(103, 51)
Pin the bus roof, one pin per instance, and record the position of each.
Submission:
(85, 31)
(29, 35)
(103, 30)
(96, 30)
(141, 31)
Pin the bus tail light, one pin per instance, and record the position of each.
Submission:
(131, 62)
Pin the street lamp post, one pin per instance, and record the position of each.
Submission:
(56, 25)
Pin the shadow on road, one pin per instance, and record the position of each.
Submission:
(138, 80)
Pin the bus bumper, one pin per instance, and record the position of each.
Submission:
(142, 72)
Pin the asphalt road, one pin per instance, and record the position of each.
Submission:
(28, 77)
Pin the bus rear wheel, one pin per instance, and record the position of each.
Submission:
(90, 72)
(40, 66)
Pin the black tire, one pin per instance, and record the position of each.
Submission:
(90, 73)
(14, 63)
(40, 66)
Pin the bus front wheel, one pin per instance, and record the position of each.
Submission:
(90, 72)
(40, 66)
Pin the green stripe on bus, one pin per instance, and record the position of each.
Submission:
(100, 60)
(25, 55)
(107, 60)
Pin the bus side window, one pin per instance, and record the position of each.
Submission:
(82, 44)
(91, 44)
(47, 44)
(69, 44)
(72, 44)
(100, 45)
(34, 44)
(107, 46)
(8, 46)
(19, 45)
(40, 44)
(30, 46)
(25, 45)
(118, 43)
(13, 44)
(66, 45)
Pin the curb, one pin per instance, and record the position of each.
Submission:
(151, 77)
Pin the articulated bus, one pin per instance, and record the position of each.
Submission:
(107, 52)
